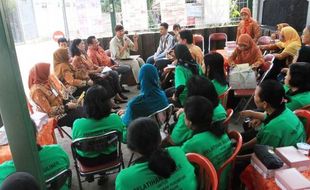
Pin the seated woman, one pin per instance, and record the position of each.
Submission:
(185, 69)
(41, 93)
(197, 86)
(297, 83)
(67, 75)
(289, 46)
(248, 25)
(246, 52)
(210, 138)
(53, 160)
(81, 62)
(215, 71)
(150, 99)
(99, 120)
(157, 168)
(280, 126)
(304, 52)
(276, 36)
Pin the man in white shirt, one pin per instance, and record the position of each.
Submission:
(120, 47)
(166, 43)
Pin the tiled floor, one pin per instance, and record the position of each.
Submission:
(109, 185)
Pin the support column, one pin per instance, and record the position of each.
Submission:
(113, 16)
(13, 105)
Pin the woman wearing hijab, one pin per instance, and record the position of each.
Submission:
(248, 25)
(67, 75)
(289, 45)
(246, 52)
(185, 69)
(42, 95)
(150, 99)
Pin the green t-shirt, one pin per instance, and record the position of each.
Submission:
(284, 130)
(139, 176)
(53, 160)
(220, 89)
(181, 132)
(181, 76)
(86, 127)
(298, 101)
(216, 149)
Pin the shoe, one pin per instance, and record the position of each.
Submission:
(123, 96)
(119, 101)
(102, 180)
(89, 178)
(125, 90)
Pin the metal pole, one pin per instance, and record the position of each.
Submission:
(113, 16)
(13, 105)
(64, 13)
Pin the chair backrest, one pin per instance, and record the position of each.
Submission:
(224, 97)
(199, 40)
(207, 177)
(97, 143)
(264, 40)
(235, 136)
(58, 181)
(162, 117)
(58, 85)
(307, 107)
(229, 114)
(304, 115)
(217, 37)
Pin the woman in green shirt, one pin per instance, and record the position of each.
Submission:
(281, 127)
(298, 82)
(157, 168)
(53, 160)
(209, 139)
(185, 69)
(97, 105)
(197, 86)
(215, 71)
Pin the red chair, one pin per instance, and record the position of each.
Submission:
(224, 97)
(199, 40)
(217, 37)
(229, 113)
(304, 115)
(236, 136)
(207, 176)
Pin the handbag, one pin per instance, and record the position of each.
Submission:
(267, 157)
(242, 77)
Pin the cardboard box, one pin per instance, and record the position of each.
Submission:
(261, 168)
(293, 158)
(291, 179)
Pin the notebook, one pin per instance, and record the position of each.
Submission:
(291, 179)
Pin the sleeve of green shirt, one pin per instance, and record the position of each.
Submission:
(179, 77)
(293, 105)
(266, 138)
(6, 169)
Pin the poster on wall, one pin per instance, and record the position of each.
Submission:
(216, 11)
(173, 11)
(134, 15)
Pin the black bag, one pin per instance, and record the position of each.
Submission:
(267, 157)
(105, 80)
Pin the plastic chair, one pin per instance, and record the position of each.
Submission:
(304, 115)
(207, 176)
(229, 113)
(217, 37)
(199, 39)
(264, 40)
(236, 136)
(162, 118)
(224, 97)
(59, 180)
(97, 144)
